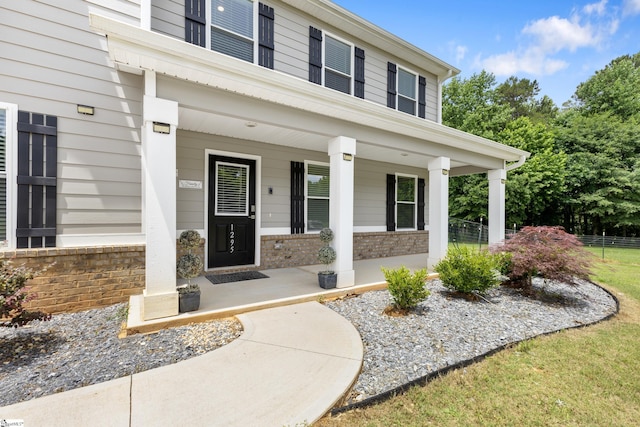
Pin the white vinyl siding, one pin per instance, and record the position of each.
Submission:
(52, 61)
(167, 17)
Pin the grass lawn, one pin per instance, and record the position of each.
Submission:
(589, 376)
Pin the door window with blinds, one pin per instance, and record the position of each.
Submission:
(232, 189)
(337, 68)
(3, 177)
(317, 188)
(232, 28)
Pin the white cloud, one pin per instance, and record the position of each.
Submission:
(554, 34)
(532, 61)
(631, 7)
(461, 51)
(597, 8)
(546, 38)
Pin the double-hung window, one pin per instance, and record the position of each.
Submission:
(338, 68)
(406, 201)
(317, 190)
(407, 90)
(7, 125)
(232, 28)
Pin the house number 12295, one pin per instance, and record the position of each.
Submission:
(232, 240)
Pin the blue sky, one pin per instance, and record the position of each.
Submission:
(559, 43)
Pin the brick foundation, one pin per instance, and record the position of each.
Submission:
(301, 249)
(90, 277)
(82, 278)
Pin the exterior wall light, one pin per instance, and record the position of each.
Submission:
(347, 157)
(445, 171)
(161, 127)
(86, 109)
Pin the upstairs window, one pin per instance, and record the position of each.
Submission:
(243, 29)
(406, 91)
(338, 69)
(407, 83)
(232, 28)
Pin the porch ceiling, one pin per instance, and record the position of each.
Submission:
(213, 92)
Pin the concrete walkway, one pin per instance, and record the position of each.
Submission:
(289, 367)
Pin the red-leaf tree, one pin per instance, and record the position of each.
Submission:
(548, 252)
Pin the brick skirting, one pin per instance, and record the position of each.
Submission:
(78, 279)
(82, 278)
(302, 249)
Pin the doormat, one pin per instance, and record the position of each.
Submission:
(217, 279)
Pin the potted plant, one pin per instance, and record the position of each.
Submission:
(189, 266)
(327, 279)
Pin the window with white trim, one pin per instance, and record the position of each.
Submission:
(406, 197)
(407, 91)
(317, 196)
(338, 64)
(231, 25)
(8, 117)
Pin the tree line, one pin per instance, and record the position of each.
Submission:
(584, 169)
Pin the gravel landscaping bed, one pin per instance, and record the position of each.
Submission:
(447, 329)
(79, 349)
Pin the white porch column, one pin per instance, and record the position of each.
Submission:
(497, 179)
(342, 151)
(160, 298)
(438, 209)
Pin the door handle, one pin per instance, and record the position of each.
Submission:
(252, 217)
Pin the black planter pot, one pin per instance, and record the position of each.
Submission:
(189, 301)
(327, 281)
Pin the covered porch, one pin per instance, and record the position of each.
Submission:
(209, 97)
(284, 286)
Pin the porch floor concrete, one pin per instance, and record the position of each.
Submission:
(283, 287)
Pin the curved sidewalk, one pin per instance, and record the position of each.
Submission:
(291, 365)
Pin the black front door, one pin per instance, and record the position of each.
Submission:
(232, 211)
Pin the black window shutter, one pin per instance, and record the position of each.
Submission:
(195, 22)
(422, 97)
(315, 55)
(37, 169)
(266, 18)
(297, 197)
(392, 70)
(358, 89)
(391, 202)
(421, 204)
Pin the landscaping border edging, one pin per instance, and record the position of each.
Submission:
(424, 380)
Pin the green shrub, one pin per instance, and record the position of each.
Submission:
(407, 290)
(14, 294)
(464, 270)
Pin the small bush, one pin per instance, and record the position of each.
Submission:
(548, 252)
(14, 294)
(407, 290)
(464, 270)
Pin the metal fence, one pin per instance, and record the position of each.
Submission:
(462, 231)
